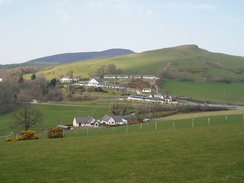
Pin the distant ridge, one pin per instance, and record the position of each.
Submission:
(80, 56)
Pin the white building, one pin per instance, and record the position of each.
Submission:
(83, 121)
(113, 120)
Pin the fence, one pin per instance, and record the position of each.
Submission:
(147, 126)
(158, 125)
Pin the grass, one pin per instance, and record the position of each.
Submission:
(216, 92)
(150, 62)
(206, 154)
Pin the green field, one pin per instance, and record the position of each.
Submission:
(206, 91)
(201, 154)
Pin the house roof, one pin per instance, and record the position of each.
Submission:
(106, 117)
(117, 118)
(97, 79)
(84, 119)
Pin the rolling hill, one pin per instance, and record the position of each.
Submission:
(68, 58)
(186, 63)
(73, 57)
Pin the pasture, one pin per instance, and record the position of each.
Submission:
(207, 91)
(200, 154)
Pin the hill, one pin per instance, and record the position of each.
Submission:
(68, 58)
(186, 63)
(73, 57)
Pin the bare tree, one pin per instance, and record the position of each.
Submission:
(26, 117)
(111, 68)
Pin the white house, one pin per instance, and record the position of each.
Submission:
(95, 82)
(135, 76)
(83, 121)
(110, 76)
(66, 79)
(123, 76)
(146, 90)
(113, 120)
(149, 77)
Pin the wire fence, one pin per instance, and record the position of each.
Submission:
(144, 127)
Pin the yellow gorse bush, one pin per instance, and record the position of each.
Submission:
(25, 135)
(11, 139)
(55, 133)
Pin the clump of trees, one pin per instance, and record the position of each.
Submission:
(8, 97)
(13, 92)
(14, 74)
(106, 69)
(120, 109)
(156, 111)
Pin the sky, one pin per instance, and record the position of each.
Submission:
(31, 29)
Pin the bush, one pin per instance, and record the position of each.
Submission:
(55, 133)
(28, 135)
(25, 135)
(11, 139)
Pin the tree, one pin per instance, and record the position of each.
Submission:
(33, 76)
(117, 109)
(52, 82)
(26, 117)
(8, 97)
(111, 69)
(101, 71)
(21, 79)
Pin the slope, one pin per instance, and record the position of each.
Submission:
(187, 62)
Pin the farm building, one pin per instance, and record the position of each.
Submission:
(113, 120)
(83, 121)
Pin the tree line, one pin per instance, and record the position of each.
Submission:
(14, 92)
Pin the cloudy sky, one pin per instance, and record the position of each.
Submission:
(31, 29)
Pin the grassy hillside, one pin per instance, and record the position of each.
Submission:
(207, 91)
(206, 154)
(186, 62)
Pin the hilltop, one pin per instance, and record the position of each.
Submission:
(73, 57)
(65, 58)
(186, 63)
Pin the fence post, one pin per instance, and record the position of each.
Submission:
(192, 123)
(243, 118)
(208, 121)
(173, 124)
(86, 131)
(126, 129)
(141, 126)
(113, 129)
(226, 119)
(156, 126)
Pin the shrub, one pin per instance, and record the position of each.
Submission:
(55, 133)
(11, 139)
(28, 135)
(25, 135)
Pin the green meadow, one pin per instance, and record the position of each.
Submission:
(201, 154)
(207, 91)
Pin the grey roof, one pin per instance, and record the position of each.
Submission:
(106, 117)
(84, 119)
(117, 118)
